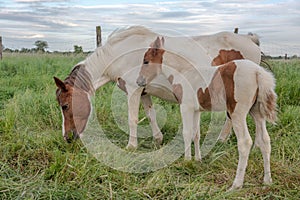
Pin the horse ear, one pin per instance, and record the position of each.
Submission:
(157, 43)
(162, 41)
(60, 84)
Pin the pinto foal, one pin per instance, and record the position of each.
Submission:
(239, 87)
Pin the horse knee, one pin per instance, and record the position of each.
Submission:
(244, 145)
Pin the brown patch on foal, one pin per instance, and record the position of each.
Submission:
(226, 56)
(227, 72)
(177, 90)
(222, 77)
(204, 98)
(122, 84)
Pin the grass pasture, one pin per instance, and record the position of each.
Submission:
(35, 162)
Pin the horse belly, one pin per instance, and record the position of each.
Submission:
(161, 92)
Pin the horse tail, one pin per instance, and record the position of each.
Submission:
(266, 97)
(254, 37)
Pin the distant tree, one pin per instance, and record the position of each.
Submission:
(41, 45)
(24, 50)
(294, 57)
(8, 50)
(33, 50)
(78, 49)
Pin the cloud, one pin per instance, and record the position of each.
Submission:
(63, 23)
(37, 1)
(33, 36)
(75, 21)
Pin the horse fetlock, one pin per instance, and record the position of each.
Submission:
(236, 185)
(187, 157)
(198, 157)
(267, 179)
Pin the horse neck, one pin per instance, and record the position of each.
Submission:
(96, 65)
(126, 55)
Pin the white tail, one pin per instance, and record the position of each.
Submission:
(266, 95)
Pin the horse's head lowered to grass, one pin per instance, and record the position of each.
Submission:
(73, 96)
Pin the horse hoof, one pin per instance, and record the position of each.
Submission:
(234, 187)
(158, 140)
(268, 181)
(131, 147)
(187, 158)
(198, 159)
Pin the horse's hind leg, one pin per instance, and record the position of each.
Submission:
(187, 115)
(196, 129)
(151, 114)
(226, 130)
(244, 145)
(262, 140)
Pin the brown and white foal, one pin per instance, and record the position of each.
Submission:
(239, 87)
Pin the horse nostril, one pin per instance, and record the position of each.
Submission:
(67, 139)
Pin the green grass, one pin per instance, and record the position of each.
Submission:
(35, 162)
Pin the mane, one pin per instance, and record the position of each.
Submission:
(80, 78)
(122, 33)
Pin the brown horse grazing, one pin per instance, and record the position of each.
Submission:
(73, 98)
(120, 55)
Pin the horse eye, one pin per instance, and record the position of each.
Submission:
(65, 107)
(146, 62)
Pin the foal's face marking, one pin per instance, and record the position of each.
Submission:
(152, 63)
(152, 66)
(75, 107)
(226, 56)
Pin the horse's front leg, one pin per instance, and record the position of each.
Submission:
(187, 115)
(133, 110)
(151, 114)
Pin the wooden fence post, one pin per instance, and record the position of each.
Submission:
(236, 30)
(1, 48)
(98, 36)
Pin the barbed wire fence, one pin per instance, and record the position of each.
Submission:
(279, 49)
(272, 49)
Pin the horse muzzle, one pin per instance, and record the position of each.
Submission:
(141, 81)
(70, 136)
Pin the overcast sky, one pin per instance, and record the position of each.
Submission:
(66, 23)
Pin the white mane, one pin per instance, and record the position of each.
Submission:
(122, 33)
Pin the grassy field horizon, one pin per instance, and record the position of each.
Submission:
(36, 163)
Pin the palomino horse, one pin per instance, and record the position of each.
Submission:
(239, 87)
(118, 61)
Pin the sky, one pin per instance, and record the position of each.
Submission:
(64, 24)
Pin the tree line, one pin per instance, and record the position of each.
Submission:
(40, 47)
